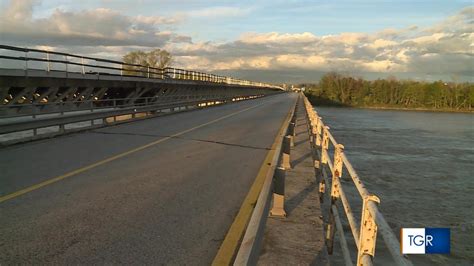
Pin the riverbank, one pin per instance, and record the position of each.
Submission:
(397, 108)
(438, 96)
(420, 109)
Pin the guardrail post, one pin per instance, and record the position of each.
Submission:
(65, 57)
(285, 159)
(318, 130)
(292, 128)
(309, 118)
(313, 133)
(49, 63)
(311, 124)
(26, 62)
(325, 146)
(278, 207)
(291, 132)
(335, 194)
(324, 159)
(83, 68)
(293, 118)
(368, 233)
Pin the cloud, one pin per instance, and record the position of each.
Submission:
(95, 27)
(19, 10)
(443, 50)
(153, 20)
(219, 12)
(275, 37)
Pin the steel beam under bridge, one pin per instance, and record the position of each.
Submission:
(36, 92)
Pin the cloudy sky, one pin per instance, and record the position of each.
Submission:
(278, 40)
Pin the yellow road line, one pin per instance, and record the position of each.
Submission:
(229, 246)
(115, 157)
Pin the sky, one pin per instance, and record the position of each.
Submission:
(275, 41)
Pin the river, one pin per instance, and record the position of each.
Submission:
(420, 164)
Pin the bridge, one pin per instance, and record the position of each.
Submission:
(108, 162)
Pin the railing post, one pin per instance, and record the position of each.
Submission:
(65, 57)
(324, 149)
(311, 125)
(293, 118)
(313, 134)
(26, 60)
(148, 70)
(83, 68)
(48, 66)
(278, 207)
(335, 194)
(285, 159)
(325, 145)
(318, 130)
(291, 132)
(368, 233)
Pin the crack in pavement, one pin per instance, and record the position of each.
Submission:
(182, 138)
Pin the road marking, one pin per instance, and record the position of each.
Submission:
(115, 157)
(229, 246)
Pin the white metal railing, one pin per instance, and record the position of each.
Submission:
(372, 220)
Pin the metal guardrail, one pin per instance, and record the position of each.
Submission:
(372, 220)
(87, 64)
(108, 117)
(81, 105)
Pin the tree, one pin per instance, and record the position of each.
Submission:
(157, 58)
(339, 90)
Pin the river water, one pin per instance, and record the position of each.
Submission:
(420, 164)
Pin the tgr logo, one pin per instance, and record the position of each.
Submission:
(424, 240)
(417, 240)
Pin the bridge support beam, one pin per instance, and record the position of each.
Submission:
(41, 95)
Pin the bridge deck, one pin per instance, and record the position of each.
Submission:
(297, 239)
(161, 190)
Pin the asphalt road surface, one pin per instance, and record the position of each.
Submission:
(117, 202)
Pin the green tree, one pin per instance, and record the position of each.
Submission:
(341, 90)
